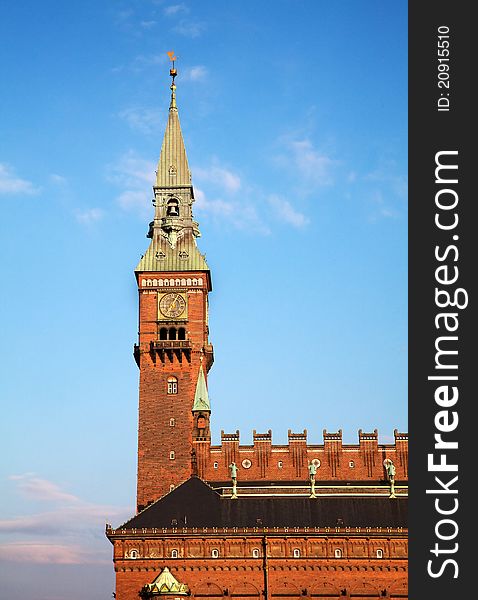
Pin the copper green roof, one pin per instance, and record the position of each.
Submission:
(185, 256)
(201, 397)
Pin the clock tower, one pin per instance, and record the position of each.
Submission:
(173, 352)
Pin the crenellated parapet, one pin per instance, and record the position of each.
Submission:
(335, 461)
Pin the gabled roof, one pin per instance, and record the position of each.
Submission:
(196, 504)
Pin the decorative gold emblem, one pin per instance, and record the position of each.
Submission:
(172, 305)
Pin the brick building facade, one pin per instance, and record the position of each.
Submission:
(294, 520)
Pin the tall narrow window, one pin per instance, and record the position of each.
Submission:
(172, 333)
(174, 553)
(296, 553)
(163, 333)
(215, 553)
(172, 422)
(171, 455)
(181, 333)
(338, 553)
(172, 385)
(255, 553)
(379, 553)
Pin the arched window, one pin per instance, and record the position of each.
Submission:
(172, 333)
(296, 553)
(338, 553)
(171, 455)
(216, 465)
(379, 553)
(133, 554)
(163, 333)
(181, 333)
(174, 553)
(255, 553)
(172, 422)
(172, 385)
(172, 209)
(214, 553)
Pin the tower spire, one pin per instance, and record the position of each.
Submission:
(173, 230)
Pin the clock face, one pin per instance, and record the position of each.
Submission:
(172, 305)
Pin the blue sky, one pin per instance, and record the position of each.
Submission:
(294, 115)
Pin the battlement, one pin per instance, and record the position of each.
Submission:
(335, 461)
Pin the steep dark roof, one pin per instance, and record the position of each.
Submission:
(195, 504)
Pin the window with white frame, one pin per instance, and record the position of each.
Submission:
(214, 553)
(379, 553)
(174, 553)
(172, 385)
(296, 553)
(255, 553)
(338, 553)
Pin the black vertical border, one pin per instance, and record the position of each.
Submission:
(431, 131)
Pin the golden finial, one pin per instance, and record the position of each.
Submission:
(173, 72)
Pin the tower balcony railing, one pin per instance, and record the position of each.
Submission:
(171, 345)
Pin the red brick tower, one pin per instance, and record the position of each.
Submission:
(173, 353)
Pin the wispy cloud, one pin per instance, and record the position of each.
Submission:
(144, 120)
(89, 216)
(135, 175)
(69, 532)
(10, 183)
(48, 553)
(286, 212)
(175, 9)
(302, 158)
(221, 177)
(190, 29)
(196, 73)
(382, 209)
(142, 62)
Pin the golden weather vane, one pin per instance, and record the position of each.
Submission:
(172, 58)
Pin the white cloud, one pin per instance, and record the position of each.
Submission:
(190, 29)
(221, 177)
(70, 532)
(196, 73)
(382, 209)
(41, 489)
(175, 9)
(48, 553)
(58, 179)
(10, 183)
(89, 216)
(286, 212)
(241, 215)
(313, 165)
(135, 176)
(304, 162)
(131, 170)
(147, 24)
(135, 200)
(145, 120)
